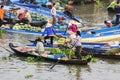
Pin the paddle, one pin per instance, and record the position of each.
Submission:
(54, 64)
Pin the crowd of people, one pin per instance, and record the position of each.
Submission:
(23, 15)
(74, 40)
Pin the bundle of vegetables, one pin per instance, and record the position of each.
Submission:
(26, 27)
(38, 17)
(55, 50)
(66, 51)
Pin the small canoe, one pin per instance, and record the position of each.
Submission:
(63, 61)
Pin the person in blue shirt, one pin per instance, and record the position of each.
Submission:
(50, 33)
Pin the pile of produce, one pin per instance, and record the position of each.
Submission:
(68, 52)
(55, 50)
(38, 17)
(26, 27)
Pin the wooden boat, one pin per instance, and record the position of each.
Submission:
(94, 45)
(102, 35)
(68, 61)
(96, 37)
(101, 50)
(38, 8)
(12, 19)
(102, 53)
(102, 39)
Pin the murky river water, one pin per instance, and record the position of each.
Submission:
(16, 69)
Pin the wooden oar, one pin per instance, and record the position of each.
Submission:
(54, 64)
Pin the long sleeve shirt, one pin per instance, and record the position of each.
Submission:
(40, 46)
(49, 31)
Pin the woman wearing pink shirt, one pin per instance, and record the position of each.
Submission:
(76, 42)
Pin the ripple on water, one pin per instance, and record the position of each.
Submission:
(102, 71)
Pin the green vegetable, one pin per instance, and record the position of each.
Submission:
(28, 75)
(30, 59)
(26, 27)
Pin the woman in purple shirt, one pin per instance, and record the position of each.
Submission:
(76, 42)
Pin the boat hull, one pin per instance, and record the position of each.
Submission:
(71, 61)
(100, 53)
(102, 39)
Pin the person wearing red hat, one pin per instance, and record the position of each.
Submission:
(25, 17)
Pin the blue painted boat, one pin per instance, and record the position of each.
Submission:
(101, 50)
(104, 29)
(92, 45)
(101, 36)
(28, 31)
(46, 11)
